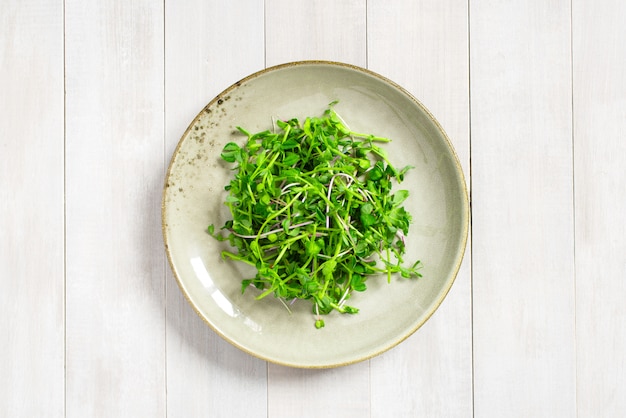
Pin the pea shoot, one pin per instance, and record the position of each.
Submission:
(313, 210)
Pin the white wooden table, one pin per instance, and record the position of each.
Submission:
(94, 96)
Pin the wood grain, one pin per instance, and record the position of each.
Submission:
(315, 30)
(313, 393)
(328, 30)
(599, 85)
(31, 209)
(115, 264)
(431, 371)
(208, 46)
(523, 288)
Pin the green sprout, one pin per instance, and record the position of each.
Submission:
(313, 210)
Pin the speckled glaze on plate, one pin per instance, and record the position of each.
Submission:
(389, 312)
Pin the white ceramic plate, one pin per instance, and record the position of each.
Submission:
(194, 192)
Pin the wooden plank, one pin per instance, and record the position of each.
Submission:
(208, 46)
(306, 393)
(599, 83)
(31, 209)
(431, 372)
(315, 29)
(319, 29)
(115, 262)
(523, 278)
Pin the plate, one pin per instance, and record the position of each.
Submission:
(194, 193)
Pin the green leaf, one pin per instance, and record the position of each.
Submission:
(230, 152)
(364, 163)
(329, 268)
(291, 159)
(367, 208)
(289, 144)
(244, 285)
(375, 173)
(312, 248)
(231, 199)
(357, 282)
(367, 220)
(400, 196)
(350, 310)
(362, 249)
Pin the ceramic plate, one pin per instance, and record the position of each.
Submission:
(389, 312)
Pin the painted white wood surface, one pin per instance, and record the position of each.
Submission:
(94, 324)
(431, 372)
(523, 237)
(31, 209)
(206, 51)
(599, 70)
(115, 322)
(315, 29)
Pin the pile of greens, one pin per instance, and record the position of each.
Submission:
(313, 210)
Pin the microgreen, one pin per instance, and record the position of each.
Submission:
(313, 210)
